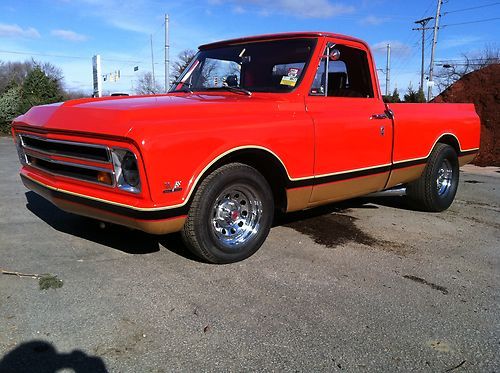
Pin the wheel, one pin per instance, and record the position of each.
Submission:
(435, 190)
(230, 215)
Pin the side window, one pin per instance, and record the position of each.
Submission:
(348, 74)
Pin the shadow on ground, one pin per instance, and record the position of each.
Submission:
(322, 222)
(119, 238)
(114, 236)
(42, 357)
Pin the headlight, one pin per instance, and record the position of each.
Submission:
(126, 170)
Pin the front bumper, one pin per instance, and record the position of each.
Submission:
(153, 220)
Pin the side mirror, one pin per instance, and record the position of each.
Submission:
(246, 59)
(334, 55)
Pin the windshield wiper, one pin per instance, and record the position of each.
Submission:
(235, 89)
(186, 87)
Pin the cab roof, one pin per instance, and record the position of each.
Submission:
(284, 35)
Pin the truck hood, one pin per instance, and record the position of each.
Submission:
(119, 116)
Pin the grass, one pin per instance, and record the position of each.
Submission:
(50, 282)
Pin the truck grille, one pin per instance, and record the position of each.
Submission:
(65, 148)
(64, 158)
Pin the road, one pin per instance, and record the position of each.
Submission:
(365, 285)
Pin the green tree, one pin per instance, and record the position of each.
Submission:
(395, 96)
(10, 104)
(421, 95)
(39, 89)
(414, 96)
(16, 72)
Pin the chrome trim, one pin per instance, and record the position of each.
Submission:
(88, 145)
(397, 191)
(444, 180)
(77, 165)
(111, 172)
(26, 147)
(69, 177)
(126, 188)
(48, 154)
(20, 150)
(379, 116)
(236, 216)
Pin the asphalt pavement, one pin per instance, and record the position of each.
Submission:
(362, 286)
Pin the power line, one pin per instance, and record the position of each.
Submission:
(461, 60)
(65, 56)
(431, 3)
(43, 54)
(471, 8)
(468, 23)
(413, 41)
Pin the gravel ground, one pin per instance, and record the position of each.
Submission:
(359, 286)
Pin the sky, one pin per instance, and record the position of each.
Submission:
(67, 33)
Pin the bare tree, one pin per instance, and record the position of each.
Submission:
(53, 72)
(76, 94)
(146, 85)
(183, 60)
(13, 73)
(208, 73)
(451, 71)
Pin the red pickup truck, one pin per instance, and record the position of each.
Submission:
(253, 126)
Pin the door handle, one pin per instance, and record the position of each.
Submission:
(379, 116)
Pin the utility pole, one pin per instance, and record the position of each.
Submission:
(434, 42)
(423, 23)
(167, 54)
(97, 75)
(388, 72)
(153, 63)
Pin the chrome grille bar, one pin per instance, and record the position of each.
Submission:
(39, 153)
(77, 150)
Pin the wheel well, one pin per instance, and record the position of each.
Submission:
(267, 164)
(451, 141)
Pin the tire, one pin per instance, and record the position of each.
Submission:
(435, 190)
(230, 215)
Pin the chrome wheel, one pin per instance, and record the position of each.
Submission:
(444, 178)
(236, 215)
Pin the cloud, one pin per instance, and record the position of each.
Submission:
(372, 20)
(397, 48)
(238, 9)
(15, 31)
(68, 35)
(135, 16)
(298, 8)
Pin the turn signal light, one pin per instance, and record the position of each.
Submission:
(104, 178)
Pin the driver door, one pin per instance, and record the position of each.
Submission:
(353, 134)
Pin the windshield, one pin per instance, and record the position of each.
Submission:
(270, 66)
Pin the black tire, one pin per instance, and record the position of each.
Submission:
(230, 215)
(435, 190)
